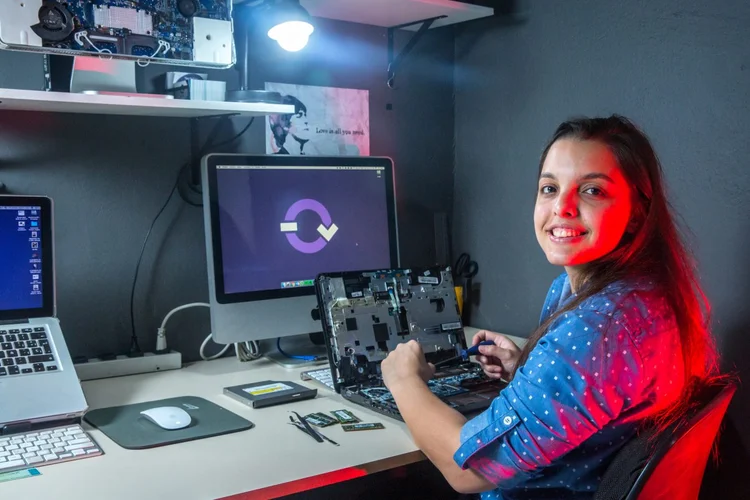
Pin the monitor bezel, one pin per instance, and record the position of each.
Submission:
(215, 160)
(48, 257)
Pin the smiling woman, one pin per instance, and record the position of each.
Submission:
(622, 344)
(583, 205)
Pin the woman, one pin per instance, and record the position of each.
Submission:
(622, 338)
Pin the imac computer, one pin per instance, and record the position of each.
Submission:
(274, 222)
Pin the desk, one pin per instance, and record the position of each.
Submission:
(267, 460)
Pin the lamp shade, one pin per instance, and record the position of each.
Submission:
(290, 25)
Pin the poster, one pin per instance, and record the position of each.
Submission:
(327, 121)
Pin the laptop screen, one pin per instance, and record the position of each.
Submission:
(24, 266)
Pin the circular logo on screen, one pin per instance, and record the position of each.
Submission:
(327, 229)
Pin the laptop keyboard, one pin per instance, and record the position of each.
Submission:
(26, 351)
(323, 376)
(46, 447)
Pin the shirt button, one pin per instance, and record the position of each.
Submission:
(507, 420)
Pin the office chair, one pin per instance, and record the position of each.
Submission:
(671, 466)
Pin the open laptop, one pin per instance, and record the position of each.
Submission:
(367, 314)
(39, 387)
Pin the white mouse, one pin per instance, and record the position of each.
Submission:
(168, 417)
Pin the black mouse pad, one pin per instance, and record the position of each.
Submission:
(127, 427)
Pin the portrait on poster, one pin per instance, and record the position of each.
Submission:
(326, 121)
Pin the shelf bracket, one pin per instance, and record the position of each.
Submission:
(394, 61)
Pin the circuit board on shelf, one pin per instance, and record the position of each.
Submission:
(182, 32)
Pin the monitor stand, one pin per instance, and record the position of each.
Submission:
(297, 345)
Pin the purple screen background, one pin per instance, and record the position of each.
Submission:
(253, 204)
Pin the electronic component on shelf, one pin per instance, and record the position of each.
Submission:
(182, 32)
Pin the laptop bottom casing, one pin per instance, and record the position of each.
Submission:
(366, 314)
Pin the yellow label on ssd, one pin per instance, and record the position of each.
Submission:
(266, 389)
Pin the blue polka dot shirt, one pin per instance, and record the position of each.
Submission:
(598, 371)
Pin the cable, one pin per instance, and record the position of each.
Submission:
(237, 136)
(246, 351)
(209, 142)
(292, 356)
(215, 356)
(161, 333)
(135, 349)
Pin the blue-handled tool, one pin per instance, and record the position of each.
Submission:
(465, 353)
(474, 350)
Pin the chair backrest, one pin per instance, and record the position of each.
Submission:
(671, 466)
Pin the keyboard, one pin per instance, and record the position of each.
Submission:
(46, 447)
(26, 351)
(322, 376)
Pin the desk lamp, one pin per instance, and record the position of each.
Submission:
(284, 21)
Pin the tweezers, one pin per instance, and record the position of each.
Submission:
(318, 436)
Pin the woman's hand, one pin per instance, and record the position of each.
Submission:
(499, 360)
(406, 362)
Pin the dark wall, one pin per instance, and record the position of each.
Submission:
(109, 176)
(681, 70)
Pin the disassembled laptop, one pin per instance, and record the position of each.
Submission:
(365, 315)
(181, 32)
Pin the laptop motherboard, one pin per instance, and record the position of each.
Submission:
(180, 31)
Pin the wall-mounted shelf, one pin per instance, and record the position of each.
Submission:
(389, 13)
(63, 102)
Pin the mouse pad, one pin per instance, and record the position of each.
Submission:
(127, 427)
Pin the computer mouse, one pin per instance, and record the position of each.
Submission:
(168, 417)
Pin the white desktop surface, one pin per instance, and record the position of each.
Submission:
(269, 454)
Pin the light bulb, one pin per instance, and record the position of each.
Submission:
(291, 35)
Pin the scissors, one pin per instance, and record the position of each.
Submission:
(463, 274)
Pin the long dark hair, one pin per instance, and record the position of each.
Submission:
(652, 247)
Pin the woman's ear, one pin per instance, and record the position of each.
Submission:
(637, 217)
(635, 223)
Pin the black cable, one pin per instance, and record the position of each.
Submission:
(135, 349)
(237, 136)
(188, 192)
(197, 189)
(209, 142)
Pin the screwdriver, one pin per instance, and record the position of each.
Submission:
(471, 351)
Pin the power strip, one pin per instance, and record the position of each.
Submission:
(96, 368)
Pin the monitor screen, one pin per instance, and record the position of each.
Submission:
(21, 257)
(279, 226)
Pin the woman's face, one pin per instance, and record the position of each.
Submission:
(299, 126)
(583, 204)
